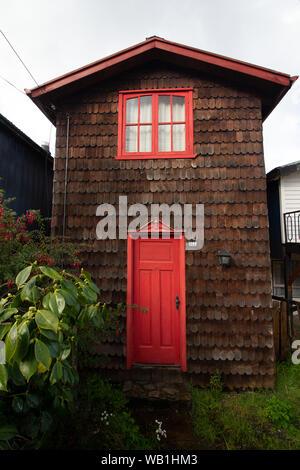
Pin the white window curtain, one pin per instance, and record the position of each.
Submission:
(146, 109)
(178, 109)
(145, 142)
(164, 108)
(131, 139)
(132, 107)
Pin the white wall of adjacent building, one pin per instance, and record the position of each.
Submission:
(289, 195)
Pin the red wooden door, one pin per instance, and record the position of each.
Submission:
(156, 283)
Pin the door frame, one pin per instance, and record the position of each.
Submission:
(130, 295)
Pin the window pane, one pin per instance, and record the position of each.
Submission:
(131, 139)
(178, 108)
(164, 109)
(179, 137)
(145, 138)
(164, 138)
(146, 109)
(132, 110)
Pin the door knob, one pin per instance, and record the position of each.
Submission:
(177, 302)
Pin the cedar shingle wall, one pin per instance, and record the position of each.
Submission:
(229, 320)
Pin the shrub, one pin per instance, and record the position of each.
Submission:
(106, 418)
(40, 324)
(24, 240)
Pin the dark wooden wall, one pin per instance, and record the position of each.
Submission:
(229, 319)
(26, 171)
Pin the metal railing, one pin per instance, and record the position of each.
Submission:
(292, 226)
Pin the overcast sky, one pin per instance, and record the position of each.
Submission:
(54, 37)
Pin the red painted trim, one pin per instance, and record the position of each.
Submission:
(164, 45)
(129, 335)
(130, 285)
(158, 90)
(182, 305)
(187, 93)
(145, 156)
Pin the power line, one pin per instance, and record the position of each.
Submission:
(11, 84)
(19, 58)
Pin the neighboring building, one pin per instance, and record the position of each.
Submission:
(283, 186)
(26, 170)
(160, 123)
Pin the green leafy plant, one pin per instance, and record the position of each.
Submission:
(40, 325)
(25, 239)
(279, 412)
(260, 419)
(104, 415)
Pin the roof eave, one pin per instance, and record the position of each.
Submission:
(51, 88)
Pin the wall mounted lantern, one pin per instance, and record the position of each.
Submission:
(224, 258)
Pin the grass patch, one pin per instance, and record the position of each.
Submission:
(250, 420)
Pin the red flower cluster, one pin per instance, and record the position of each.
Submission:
(10, 283)
(30, 217)
(44, 259)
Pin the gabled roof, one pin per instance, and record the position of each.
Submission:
(17, 133)
(270, 84)
(279, 171)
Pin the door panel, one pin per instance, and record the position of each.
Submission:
(155, 286)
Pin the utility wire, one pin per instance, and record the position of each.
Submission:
(18, 89)
(19, 58)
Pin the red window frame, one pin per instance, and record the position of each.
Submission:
(187, 93)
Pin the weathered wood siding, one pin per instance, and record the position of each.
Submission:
(229, 319)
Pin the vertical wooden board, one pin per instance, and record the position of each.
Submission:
(276, 329)
(284, 338)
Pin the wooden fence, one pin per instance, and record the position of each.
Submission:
(281, 330)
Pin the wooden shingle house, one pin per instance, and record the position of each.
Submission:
(164, 123)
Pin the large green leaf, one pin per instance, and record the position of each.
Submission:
(53, 346)
(15, 375)
(28, 366)
(47, 320)
(23, 339)
(42, 353)
(69, 297)
(91, 284)
(88, 293)
(49, 334)
(30, 292)
(23, 276)
(52, 273)
(56, 373)
(3, 330)
(65, 351)
(7, 431)
(3, 301)
(45, 301)
(11, 342)
(56, 303)
(7, 313)
(60, 302)
(69, 286)
(3, 377)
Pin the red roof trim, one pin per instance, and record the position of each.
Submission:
(164, 45)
